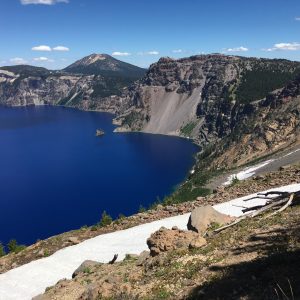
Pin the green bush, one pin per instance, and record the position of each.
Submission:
(2, 250)
(14, 247)
(142, 209)
(106, 219)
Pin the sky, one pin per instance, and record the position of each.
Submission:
(55, 33)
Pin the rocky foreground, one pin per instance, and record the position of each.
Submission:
(256, 259)
(284, 176)
(183, 264)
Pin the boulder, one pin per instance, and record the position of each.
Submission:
(198, 242)
(171, 239)
(85, 266)
(142, 258)
(202, 217)
(74, 240)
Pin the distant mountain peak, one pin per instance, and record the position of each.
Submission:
(105, 65)
(88, 60)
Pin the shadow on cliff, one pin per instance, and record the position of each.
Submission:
(274, 276)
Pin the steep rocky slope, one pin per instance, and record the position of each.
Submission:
(255, 259)
(272, 124)
(283, 176)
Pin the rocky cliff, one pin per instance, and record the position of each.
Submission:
(90, 83)
(219, 101)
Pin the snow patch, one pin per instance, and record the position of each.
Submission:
(291, 153)
(29, 280)
(246, 173)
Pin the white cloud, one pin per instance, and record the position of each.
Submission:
(284, 46)
(177, 51)
(297, 19)
(18, 61)
(237, 49)
(152, 53)
(44, 2)
(41, 48)
(46, 48)
(61, 48)
(43, 59)
(117, 53)
(149, 53)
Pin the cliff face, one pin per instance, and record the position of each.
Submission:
(57, 88)
(273, 124)
(216, 100)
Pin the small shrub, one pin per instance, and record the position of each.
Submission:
(86, 270)
(119, 219)
(14, 247)
(94, 228)
(234, 181)
(2, 250)
(142, 209)
(106, 219)
(214, 225)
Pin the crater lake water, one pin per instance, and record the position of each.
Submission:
(56, 175)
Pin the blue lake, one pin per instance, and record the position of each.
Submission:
(56, 175)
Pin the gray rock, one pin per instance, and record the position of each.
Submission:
(201, 218)
(142, 258)
(85, 266)
(198, 243)
(73, 240)
(131, 256)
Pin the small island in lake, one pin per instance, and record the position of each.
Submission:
(99, 132)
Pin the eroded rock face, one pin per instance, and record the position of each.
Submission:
(202, 217)
(27, 85)
(170, 239)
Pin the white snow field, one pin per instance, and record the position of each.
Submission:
(247, 172)
(29, 280)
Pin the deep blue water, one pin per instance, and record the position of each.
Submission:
(56, 175)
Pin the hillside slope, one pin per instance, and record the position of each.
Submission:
(223, 268)
(216, 98)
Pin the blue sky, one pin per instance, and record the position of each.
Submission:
(141, 31)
